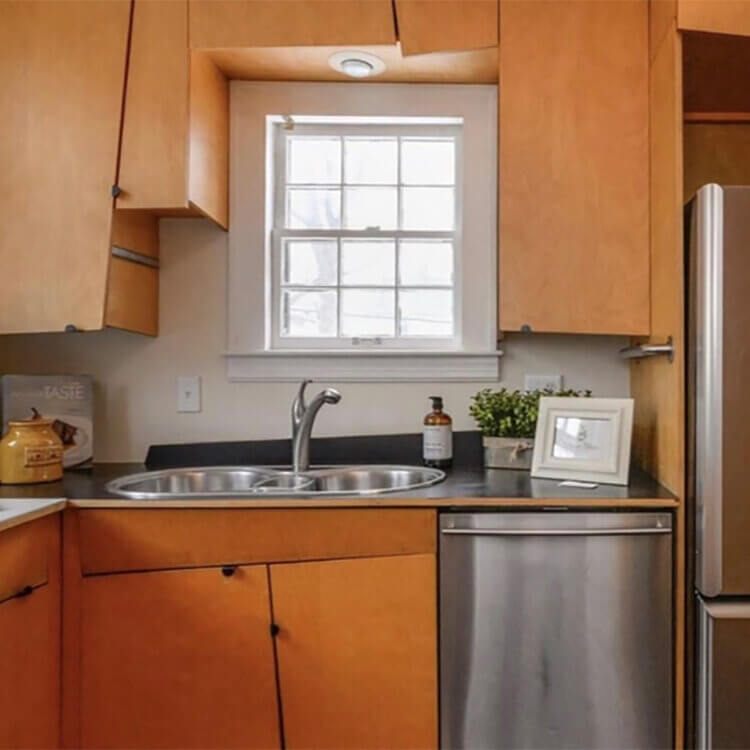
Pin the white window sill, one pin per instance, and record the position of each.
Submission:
(364, 367)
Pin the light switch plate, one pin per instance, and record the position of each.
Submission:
(543, 382)
(188, 393)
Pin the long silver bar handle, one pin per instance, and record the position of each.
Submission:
(555, 532)
(649, 350)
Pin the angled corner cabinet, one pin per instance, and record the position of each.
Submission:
(80, 232)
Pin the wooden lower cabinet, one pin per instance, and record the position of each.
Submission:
(291, 640)
(30, 667)
(178, 659)
(357, 652)
(30, 635)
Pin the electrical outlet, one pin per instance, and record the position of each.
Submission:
(188, 393)
(543, 382)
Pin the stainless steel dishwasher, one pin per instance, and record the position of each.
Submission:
(556, 630)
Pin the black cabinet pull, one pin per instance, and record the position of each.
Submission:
(275, 629)
(25, 591)
(228, 570)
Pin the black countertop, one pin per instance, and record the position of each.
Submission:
(463, 483)
(467, 481)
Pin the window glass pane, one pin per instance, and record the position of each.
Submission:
(309, 262)
(367, 312)
(425, 263)
(370, 207)
(371, 161)
(310, 208)
(428, 162)
(314, 159)
(429, 208)
(425, 312)
(368, 262)
(308, 313)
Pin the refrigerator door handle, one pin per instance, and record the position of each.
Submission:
(709, 239)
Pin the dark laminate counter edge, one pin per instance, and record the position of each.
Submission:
(464, 487)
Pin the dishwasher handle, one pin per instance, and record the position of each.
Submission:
(558, 532)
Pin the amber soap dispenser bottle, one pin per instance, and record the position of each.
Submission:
(437, 442)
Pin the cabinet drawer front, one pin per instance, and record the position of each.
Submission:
(24, 556)
(113, 540)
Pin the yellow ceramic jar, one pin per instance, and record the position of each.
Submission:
(30, 452)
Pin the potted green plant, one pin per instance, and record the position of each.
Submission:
(507, 420)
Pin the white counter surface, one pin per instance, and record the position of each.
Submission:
(15, 512)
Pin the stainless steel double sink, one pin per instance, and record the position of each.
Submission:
(264, 481)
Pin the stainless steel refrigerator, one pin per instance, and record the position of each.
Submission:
(718, 347)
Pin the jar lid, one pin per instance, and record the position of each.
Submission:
(33, 422)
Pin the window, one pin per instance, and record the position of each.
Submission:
(366, 235)
(363, 232)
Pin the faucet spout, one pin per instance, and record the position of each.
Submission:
(303, 418)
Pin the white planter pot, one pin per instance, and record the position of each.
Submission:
(508, 453)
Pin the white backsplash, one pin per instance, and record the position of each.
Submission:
(135, 397)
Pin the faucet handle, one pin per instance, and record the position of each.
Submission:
(298, 405)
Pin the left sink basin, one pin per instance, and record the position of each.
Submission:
(225, 481)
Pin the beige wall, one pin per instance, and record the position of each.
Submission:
(135, 394)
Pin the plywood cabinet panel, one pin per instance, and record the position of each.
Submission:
(178, 659)
(658, 385)
(153, 169)
(715, 153)
(62, 72)
(446, 25)
(30, 636)
(573, 190)
(357, 651)
(121, 540)
(132, 297)
(719, 16)
(175, 136)
(290, 23)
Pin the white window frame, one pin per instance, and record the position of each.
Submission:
(249, 349)
(410, 127)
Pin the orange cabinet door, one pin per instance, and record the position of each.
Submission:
(175, 132)
(62, 73)
(446, 25)
(357, 652)
(290, 23)
(178, 659)
(30, 669)
(574, 167)
(718, 16)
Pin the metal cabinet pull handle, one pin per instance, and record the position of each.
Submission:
(228, 570)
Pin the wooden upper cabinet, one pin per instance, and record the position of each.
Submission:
(357, 652)
(177, 659)
(574, 166)
(30, 601)
(62, 71)
(719, 16)
(446, 25)
(175, 135)
(287, 23)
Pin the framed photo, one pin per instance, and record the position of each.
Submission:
(584, 439)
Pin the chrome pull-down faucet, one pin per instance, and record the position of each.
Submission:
(303, 418)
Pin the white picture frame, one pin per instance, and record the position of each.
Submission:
(583, 439)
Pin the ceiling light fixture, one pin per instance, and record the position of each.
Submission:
(356, 64)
